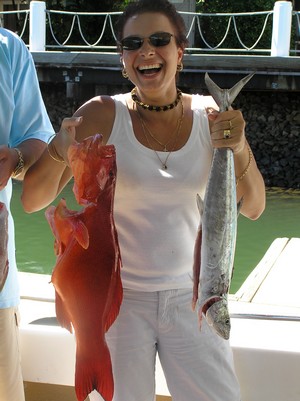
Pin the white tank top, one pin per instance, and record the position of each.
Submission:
(155, 210)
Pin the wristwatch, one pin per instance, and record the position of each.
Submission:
(20, 166)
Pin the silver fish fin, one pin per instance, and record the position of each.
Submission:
(235, 90)
(200, 204)
(239, 205)
(225, 97)
(216, 92)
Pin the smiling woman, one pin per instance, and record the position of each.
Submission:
(164, 142)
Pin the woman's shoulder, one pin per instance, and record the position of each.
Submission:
(98, 102)
(98, 116)
(103, 103)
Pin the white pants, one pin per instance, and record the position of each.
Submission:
(198, 365)
(11, 381)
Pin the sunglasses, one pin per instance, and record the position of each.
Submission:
(157, 39)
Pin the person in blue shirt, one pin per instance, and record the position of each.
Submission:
(24, 131)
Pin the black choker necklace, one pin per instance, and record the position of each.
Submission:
(155, 108)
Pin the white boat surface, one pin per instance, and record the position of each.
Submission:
(265, 318)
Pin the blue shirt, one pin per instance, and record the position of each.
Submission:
(22, 116)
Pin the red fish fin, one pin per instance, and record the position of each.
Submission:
(50, 216)
(196, 267)
(200, 317)
(81, 234)
(72, 226)
(61, 313)
(94, 373)
(49, 213)
(116, 304)
(197, 255)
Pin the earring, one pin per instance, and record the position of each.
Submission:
(124, 72)
(180, 66)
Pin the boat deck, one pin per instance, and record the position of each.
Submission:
(265, 317)
(48, 351)
(275, 280)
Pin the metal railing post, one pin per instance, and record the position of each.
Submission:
(37, 26)
(282, 26)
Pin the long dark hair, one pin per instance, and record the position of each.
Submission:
(154, 6)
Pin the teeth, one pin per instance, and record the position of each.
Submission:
(149, 67)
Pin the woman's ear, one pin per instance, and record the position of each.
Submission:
(180, 55)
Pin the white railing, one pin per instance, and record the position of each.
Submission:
(284, 19)
(232, 19)
(106, 26)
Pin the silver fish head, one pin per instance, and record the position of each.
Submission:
(217, 316)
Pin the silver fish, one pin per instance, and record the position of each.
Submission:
(3, 244)
(215, 243)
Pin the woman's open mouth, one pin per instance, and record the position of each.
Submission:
(149, 69)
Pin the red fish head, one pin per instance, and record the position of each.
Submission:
(94, 168)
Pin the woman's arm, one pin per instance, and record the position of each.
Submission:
(250, 184)
(48, 176)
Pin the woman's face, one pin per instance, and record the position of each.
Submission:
(151, 67)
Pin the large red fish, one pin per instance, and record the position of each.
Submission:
(86, 276)
(3, 244)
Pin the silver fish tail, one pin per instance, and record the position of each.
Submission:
(225, 97)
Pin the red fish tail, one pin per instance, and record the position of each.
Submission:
(94, 373)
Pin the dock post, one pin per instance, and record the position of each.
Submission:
(37, 26)
(188, 7)
(296, 4)
(282, 25)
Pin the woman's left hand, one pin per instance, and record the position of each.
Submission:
(227, 129)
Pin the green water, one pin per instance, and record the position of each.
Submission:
(34, 240)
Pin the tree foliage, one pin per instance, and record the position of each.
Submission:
(249, 27)
(234, 6)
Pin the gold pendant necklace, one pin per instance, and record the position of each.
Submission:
(146, 129)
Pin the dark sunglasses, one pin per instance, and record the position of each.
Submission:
(157, 39)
